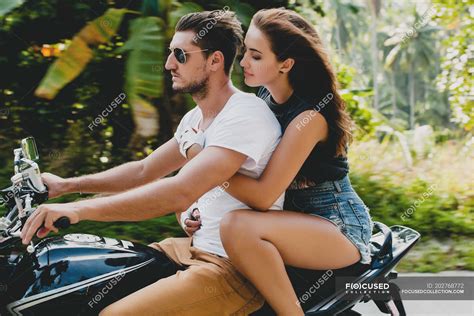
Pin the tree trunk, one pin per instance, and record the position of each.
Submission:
(338, 33)
(374, 50)
(411, 83)
(146, 118)
(394, 94)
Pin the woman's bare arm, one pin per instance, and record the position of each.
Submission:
(297, 143)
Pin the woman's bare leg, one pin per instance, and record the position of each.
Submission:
(260, 244)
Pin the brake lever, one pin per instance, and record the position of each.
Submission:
(62, 223)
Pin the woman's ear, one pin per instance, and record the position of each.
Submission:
(286, 66)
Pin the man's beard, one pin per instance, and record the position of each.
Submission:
(197, 89)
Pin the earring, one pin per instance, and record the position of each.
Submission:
(281, 71)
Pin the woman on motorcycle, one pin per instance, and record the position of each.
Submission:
(325, 224)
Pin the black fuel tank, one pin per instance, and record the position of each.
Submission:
(80, 274)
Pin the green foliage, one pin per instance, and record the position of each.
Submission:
(244, 11)
(436, 255)
(356, 101)
(8, 5)
(435, 197)
(79, 53)
(438, 215)
(144, 232)
(412, 49)
(146, 48)
(457, 67)
(437, 203)
(179, 10)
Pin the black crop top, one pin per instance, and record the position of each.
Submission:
(322, 163)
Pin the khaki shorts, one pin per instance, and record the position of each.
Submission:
(208, 285)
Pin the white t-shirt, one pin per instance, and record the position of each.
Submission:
(246, 125)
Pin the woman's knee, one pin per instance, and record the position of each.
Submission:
(121, 307)
(108, 311)
(233, 225)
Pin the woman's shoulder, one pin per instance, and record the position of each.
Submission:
(313, 102)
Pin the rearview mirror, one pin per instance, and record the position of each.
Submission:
(28, 146)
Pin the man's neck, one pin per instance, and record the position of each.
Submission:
(216, 98)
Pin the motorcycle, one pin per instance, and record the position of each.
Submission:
(80, 274)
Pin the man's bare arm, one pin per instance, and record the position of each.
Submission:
(212, 167)
(160, 163)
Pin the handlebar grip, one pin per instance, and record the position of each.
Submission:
(62, 223)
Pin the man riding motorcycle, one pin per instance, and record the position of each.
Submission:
(140, 192)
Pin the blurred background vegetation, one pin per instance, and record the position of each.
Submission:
(405, 70)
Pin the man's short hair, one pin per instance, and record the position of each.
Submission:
(217, 30)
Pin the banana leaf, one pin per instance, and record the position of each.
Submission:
(79, 53)
(144, 71)
(244, 11)
(145, 61)
(8, 5)
(178, 10)
(392, 56)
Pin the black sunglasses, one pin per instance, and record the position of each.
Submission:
(180, 54)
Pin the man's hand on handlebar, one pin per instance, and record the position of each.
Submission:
(56, 185)
(41, 222)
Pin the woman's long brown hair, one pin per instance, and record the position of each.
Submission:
(291, 36)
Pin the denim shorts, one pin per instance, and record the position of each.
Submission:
(337, 202)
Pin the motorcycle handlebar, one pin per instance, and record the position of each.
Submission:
(62, 223)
